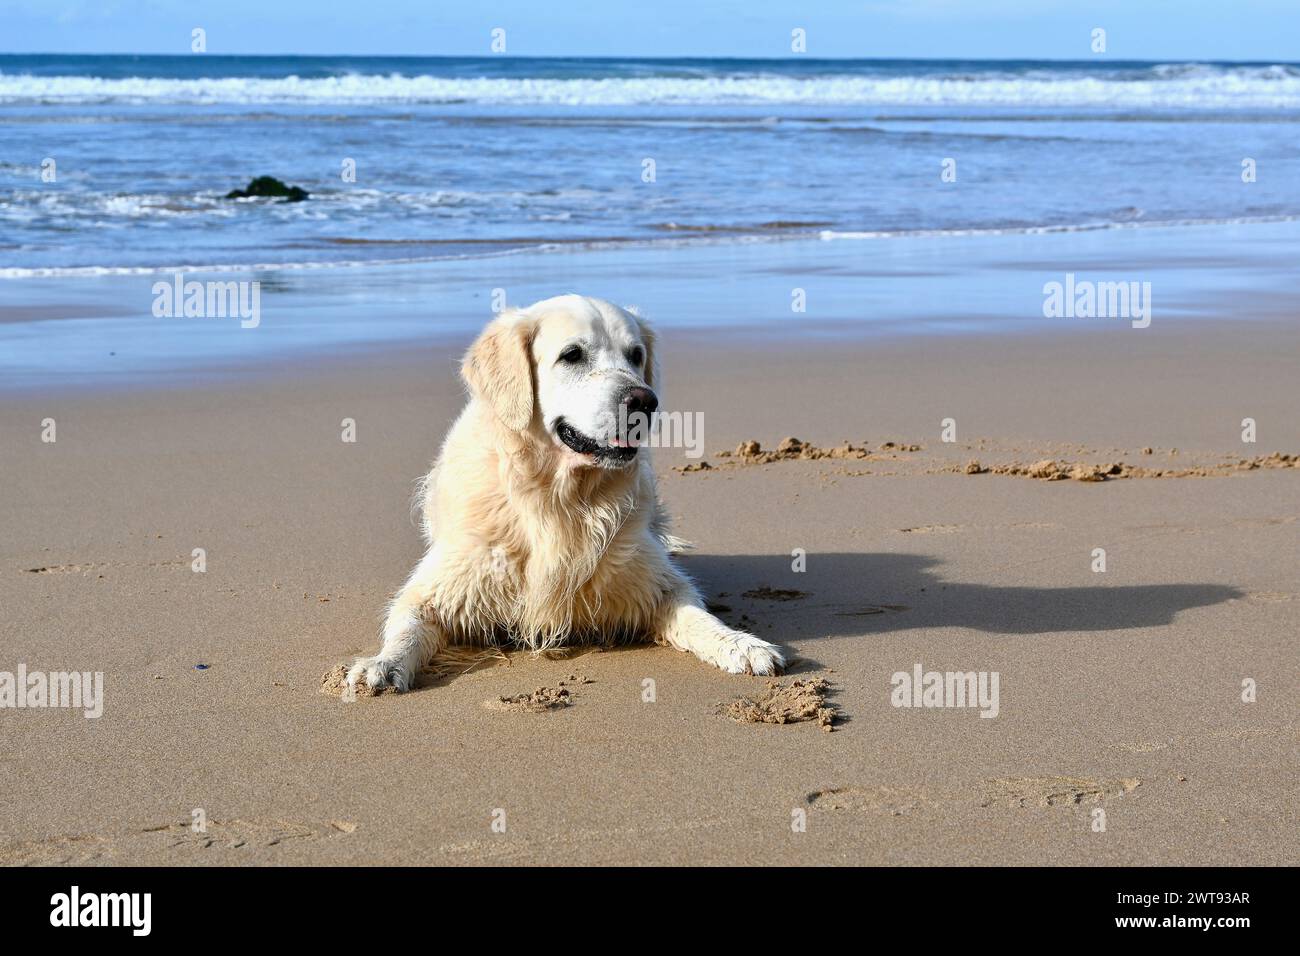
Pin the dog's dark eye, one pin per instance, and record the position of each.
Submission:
(636, 356)
(572, 355)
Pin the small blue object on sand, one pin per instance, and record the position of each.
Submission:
(200, 667)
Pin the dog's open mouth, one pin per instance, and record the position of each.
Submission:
(585, 445)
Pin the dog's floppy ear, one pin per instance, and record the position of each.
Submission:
(648, 340)
(498, 368)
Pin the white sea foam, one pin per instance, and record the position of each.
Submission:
(1166, 86)
(83, 202)
(831, 235)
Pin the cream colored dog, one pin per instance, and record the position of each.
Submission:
(541, 515)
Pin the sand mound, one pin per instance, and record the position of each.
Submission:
(542, 699)
(798, 701)
(539, 701)
(1051, 470)
(1041, 469)
(791, 449)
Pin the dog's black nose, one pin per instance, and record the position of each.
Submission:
(638, 399)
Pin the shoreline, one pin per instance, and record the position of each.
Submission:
(693, 237)
(919, 288)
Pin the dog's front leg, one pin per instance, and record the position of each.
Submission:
(686, 625)
(411, 638)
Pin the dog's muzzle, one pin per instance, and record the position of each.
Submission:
(586, 445)
(636, 405)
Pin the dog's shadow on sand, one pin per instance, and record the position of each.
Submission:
(873, 593)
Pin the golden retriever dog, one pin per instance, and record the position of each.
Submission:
(542, 518)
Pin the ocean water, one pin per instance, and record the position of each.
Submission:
(466, 158)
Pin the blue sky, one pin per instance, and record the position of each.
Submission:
(977, 29)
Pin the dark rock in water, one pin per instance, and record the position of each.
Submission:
(271, 187)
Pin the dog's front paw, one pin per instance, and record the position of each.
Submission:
(379, 673)
(743, 654)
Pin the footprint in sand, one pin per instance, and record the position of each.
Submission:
(1145, 746)
(895, 801)
(57, 851)
(1013, 792)
(872, 609)
(765, 593)
(237, 834)
(83, 849)
(1025, 792)
(98, 565)
(68, 568)
(1273, 597)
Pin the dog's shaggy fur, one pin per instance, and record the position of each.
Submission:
(543, 523)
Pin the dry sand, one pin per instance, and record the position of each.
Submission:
(1119, 691)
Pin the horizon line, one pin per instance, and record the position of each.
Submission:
(771, 59)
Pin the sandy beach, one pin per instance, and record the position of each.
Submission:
(1119, 691)
(981, 338)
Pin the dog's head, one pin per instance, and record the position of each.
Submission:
(575, 371)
